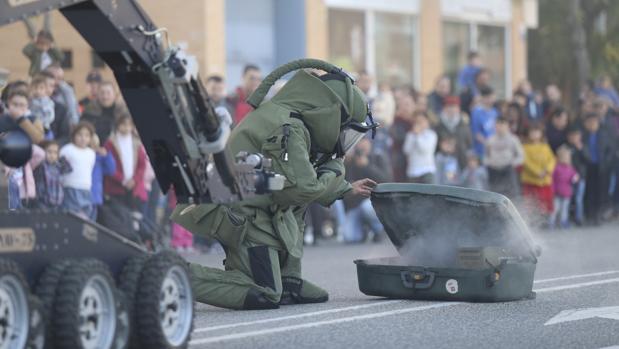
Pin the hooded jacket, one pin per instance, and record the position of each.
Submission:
(303, 117)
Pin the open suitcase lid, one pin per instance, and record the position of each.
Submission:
(435, 220)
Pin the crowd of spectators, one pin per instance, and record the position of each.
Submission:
(557, 163)
(529, 146)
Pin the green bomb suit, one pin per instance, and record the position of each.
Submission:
(262, 236)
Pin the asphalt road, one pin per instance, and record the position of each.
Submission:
(579, 269)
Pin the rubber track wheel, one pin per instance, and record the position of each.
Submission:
(123, 322)
(128, 283)
(7, 266)
(65, 323)
(48, 282)
(36, 332)
(148, 320)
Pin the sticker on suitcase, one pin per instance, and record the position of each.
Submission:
(452, 286)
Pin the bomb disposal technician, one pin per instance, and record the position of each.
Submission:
(306, 129)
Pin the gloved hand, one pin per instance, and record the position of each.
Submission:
(224, 116)
(334, 165)
(363, 187)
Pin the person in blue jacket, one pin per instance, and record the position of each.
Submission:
(104, 166)
(483, 120)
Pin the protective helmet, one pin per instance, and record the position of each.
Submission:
(356, 116)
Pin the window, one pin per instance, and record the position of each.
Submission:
(456, 46)
(488, 40)
(380, 42)
(394, 48)
(97, 62)
(67, 60)
(347, 39)
(491, 46)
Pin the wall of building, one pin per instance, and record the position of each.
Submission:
(227, 34)
(199, 25)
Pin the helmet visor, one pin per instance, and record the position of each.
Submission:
(353, 131)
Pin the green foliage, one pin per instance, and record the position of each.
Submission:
(551, 58)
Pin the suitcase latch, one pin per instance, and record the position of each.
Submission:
(419, 280)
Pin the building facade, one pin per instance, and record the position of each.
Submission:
(397, 41)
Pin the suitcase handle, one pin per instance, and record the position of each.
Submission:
(409, 279)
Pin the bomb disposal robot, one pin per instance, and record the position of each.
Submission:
(69, 283)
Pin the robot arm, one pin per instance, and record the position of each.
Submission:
(183, 135)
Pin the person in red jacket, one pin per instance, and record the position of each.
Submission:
(237, 104)
(126, 185)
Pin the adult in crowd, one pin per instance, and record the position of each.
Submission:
(469, 97)
(61, 126)
(64, 93)
(552, 100)
(556, 128)
(605, 88)
(383, 106)
(93, 80)
(399, 129)
(237, 101)
(454, 123)
(436, 98)
(533, 104)
(216, 89)
(468, 75)
(42, 52)
(365, 82)
(103, 112)
(599, 143)
(359, 210)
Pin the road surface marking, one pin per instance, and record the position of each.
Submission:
(297, 316)
(320, 323)
(373, 315)
(584, 284)
(584, 313)
(363, 306)
(570, 277)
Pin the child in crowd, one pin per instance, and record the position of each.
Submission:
(580, 159)
(126, 185)
(537, 170)
(447, 169)
(483, 119)
(21, 186)
(104, 166)
(48, 176)
(77, 184)
(420, 146)
(474, 176)
(503, 155)
(41, 105)
(563, 178)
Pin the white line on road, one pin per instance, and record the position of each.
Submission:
(374, 315)
(320, 323)
(584, 284)
(570, 277)
(296, 316)
(356, 307)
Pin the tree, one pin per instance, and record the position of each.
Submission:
(574, 43)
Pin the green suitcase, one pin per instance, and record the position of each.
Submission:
(453, 243)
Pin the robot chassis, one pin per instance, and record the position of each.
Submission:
(67, 282)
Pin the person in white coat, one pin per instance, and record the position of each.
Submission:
(420, 146)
